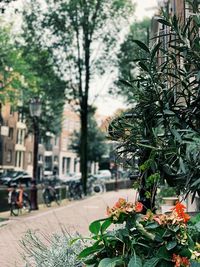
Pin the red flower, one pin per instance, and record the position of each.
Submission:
(138, 206)
(180, 211)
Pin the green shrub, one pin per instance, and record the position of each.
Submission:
(54, 251)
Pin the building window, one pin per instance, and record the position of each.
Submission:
(9, 156)
(21, 116)
(75, 163)
(20, 137)
(63, 165)
(11, 110)
(48, 145)
(40, 158)
(55, 141)
(48, 163)
(68, 164)
(10, 134)
(55, 159)
(19, 159)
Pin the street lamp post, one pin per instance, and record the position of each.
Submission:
(1, 146)
(4, 130)
(35, 112)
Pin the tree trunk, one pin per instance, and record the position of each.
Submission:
(83, 144)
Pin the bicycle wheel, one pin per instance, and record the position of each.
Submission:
(47, 200)
(26, 205)
(97, 188)
(57, 199)
(14, 209)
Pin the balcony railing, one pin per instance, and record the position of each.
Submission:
(48, 147)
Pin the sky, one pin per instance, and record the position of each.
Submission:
(106, 104)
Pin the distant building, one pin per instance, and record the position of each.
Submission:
(54, 154)
(68, 160)
(15, 150)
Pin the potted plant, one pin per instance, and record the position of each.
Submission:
(149, 240)
(166, 198)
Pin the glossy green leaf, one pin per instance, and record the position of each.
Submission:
(164, 22)
(152, 225)
(163, 253)
(143, 66)
(127, 83)
(135, 261)
(155, 50)
(95, 227)
(151, 262)
(165, 264)
(142, 45)
(107, 262)
(171, 245)
(182, 165)
(168, 112)
(105, 225)
(90, 250)
(197, 182)
(176, 135)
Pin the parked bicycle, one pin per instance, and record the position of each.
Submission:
(51, 193)
(74, 189)
(18, 200)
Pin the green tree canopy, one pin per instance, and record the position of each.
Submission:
(128, 56)
(44, 84)
(81, 36)
(11, 68)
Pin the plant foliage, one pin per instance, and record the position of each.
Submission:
(142, 240)
(56, 250)
(162, 130)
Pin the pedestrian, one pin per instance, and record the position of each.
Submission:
(20, 196)
(33, 196)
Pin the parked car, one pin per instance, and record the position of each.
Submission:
(24, 180)
(103, 174)
(16, 177)
(71, 177)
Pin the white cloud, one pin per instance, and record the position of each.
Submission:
(145, 8)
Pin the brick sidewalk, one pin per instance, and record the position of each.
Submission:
(73, 216)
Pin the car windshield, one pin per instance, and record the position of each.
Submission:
(8, 174)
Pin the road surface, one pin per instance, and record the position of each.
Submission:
(74, 216)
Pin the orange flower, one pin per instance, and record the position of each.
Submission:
(138, 206)
(123, 207)
(180, 211)
(180, 261)
(157, 219)
(120, 202)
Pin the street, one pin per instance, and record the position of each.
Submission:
(74, 217)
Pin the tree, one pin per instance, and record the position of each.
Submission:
(96, 141)
(81, 35)
(162, 130)
(128, 56)
(11, 68)
(45, 84)
(4, 4)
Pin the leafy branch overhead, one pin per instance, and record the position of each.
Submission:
(163, 126)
